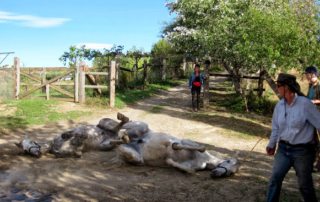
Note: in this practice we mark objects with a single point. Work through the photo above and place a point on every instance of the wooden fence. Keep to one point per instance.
(112, 77)
(263, 76)
(78, 74)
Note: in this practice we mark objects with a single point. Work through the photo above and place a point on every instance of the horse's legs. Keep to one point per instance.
(130, 154)
(123, 120)
(185, 166)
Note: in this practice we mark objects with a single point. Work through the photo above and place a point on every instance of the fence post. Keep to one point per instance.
(206, 88)
(48, 91)
(82, 88)
(16, 64)
(76, 83)
(112, 88)
(117, 72)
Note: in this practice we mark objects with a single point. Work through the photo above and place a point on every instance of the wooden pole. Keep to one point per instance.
(82, 82)
(112, 88)
(76, 83)
(17, 77)
(117, 72)
(48, 91)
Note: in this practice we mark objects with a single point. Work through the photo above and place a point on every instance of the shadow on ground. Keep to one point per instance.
(100, 176)
(177, 103)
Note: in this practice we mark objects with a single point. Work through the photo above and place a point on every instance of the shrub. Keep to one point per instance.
(261, 105)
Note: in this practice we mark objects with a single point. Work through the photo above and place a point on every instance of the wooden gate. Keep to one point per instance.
(36, 78)
(78, 83)
(111, 76)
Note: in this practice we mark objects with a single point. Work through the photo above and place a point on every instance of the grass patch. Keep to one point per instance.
(130, 96)
(156, 109)
(36, 111)
(260, 105)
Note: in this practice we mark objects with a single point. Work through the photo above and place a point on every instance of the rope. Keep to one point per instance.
(256, 144)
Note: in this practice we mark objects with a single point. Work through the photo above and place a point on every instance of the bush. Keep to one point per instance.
(261, 105)
(234, 103)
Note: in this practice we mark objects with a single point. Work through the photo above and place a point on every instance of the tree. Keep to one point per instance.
(163, 50)
(136, 54)
(75, 55)
(79, 54)
(246, 35)
(102, 58)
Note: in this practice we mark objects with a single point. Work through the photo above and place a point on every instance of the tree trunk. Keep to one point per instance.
(271, 83)
(235, 76)
(145, 75)
(236, 79)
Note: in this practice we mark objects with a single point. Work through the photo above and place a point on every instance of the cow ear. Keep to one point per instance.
(18, 144)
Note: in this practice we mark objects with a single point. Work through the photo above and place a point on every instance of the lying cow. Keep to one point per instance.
(160, 149)
(72, 143)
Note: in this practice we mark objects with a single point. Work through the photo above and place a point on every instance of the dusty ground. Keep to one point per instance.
(99, 176)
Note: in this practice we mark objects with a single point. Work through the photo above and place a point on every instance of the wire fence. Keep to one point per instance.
(6, 84)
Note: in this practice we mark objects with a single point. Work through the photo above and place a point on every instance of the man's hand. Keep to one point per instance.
(270, 151)
(316, 102)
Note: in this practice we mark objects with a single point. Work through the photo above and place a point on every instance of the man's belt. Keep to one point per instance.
(295, 145)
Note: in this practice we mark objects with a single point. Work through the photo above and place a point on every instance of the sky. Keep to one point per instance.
(40, 31)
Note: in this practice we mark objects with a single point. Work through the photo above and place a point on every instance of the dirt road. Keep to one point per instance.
(99, 176)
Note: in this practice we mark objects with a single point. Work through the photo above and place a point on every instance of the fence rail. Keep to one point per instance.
(78, 84)
(230, 76)
(112, 77)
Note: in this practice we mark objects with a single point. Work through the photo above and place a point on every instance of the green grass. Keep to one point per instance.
(156, 109)
(131, 96)
(34, 112)
(38, 111)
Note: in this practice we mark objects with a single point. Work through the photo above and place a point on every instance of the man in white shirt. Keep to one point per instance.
(293, 122)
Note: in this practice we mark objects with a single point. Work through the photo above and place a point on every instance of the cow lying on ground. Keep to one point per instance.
(72, 143)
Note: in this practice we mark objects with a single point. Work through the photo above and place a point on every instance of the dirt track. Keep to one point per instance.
(99, 176)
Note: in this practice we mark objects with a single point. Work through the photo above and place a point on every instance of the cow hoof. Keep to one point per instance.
(203, 149)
